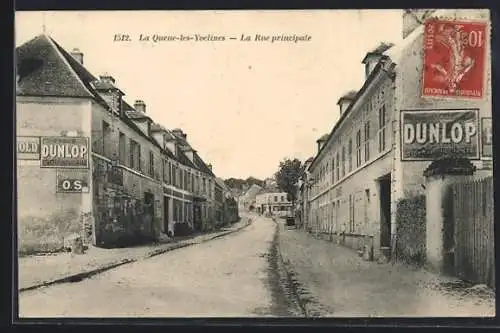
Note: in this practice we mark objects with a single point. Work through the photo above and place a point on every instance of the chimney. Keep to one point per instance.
(78, 55)
(140, 106)
(179, 132)
(413, 18)
(107, 78)
(209, 166)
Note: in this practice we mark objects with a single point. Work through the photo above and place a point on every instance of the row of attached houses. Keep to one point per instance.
(369, 163)
(88, 159)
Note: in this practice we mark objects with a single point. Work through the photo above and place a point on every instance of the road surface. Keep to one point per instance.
(230, 276)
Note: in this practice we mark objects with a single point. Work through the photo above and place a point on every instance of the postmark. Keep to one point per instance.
(454, 59)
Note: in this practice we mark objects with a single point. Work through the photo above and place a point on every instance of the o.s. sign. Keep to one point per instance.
(72, 182)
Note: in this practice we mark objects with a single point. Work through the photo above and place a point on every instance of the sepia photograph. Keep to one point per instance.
(254, 164)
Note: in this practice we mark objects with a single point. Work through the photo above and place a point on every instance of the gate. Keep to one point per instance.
(474, 255)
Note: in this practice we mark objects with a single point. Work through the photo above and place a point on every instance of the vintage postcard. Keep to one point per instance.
(286, 163)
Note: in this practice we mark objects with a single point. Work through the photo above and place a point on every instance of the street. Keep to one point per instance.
(229, 277)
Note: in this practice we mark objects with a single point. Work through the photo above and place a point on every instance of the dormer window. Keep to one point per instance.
(109, 92)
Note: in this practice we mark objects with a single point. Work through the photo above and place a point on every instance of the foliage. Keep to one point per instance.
(241, 183)
(289, 173)
(411, 230)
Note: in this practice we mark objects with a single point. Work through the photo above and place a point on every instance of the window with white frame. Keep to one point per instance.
(349, 155)
(337, 167)
(382, 122)
(351, 213)
(342, 165)
(367, 140)
(333, 170)
(358, 148)
(151, 169)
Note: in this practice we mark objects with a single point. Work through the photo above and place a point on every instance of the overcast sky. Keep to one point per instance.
(244, 105)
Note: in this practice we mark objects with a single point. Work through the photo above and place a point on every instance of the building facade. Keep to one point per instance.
(87, 160)
(364, 169)
(273, 203)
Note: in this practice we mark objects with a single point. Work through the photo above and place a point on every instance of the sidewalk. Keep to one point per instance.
(333, 281)
(37, 271)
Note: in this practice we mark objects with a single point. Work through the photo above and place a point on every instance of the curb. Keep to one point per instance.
(84, 275)
(309, 307)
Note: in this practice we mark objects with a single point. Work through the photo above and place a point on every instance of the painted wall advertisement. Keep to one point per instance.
(64, 152)
(72, 181)
(28, 148)
(486, 138)
(432, 134)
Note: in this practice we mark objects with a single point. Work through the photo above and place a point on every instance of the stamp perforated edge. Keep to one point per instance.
(487, 89)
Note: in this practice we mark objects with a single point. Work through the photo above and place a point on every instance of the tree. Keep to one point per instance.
(287, 177)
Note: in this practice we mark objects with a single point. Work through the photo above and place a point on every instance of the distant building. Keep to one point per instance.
(246, 201)
(273, 202)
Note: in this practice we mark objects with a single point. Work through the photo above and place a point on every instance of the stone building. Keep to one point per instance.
(366, 167)
(86, 159)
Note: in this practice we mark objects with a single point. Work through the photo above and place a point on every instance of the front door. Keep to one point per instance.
(385, 212)
(149, 211)
(166, 216)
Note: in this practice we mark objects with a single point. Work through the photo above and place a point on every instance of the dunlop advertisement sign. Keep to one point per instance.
(431, 134)
(64, 152)
(28, 148)
(486, 137)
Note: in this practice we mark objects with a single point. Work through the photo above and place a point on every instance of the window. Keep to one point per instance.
(342, 165)
(133, 161)
(204, 186)
(275, 198)
(106, 132)
(151, 168)
(181, 178)
(121, 148)
(349, 155)
(381, 129)
(165, 171)
(174, 175)
(186, 178)
(192, 182)
(337, 166)
(358, 148)
(367, 141)
(351, 213)
(282, 198)
(332, 171)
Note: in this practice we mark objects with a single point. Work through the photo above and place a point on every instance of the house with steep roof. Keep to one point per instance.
(86, 156)
(246, 201)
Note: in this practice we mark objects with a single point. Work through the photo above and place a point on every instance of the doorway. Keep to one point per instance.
(385, 214)
(166, 214)
(149, 211)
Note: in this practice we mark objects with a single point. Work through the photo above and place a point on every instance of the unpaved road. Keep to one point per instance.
(231, 276)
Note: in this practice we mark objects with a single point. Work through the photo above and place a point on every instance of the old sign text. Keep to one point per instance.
(28, 148)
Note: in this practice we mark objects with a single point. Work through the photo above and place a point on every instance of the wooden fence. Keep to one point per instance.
(474, 251)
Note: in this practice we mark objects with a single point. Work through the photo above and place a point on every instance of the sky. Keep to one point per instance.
(244, 105)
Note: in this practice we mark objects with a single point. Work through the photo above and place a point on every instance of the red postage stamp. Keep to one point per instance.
(454, 59)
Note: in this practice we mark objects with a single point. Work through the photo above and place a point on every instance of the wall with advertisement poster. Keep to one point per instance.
(427, 135)
(410, 95)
